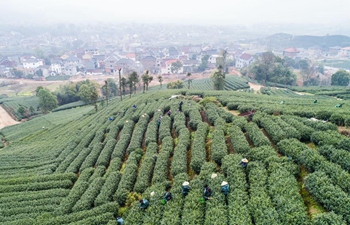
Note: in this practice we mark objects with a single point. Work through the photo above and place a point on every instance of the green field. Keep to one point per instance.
(79, 166)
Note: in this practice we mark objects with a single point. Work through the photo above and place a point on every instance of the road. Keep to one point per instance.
(6, 119)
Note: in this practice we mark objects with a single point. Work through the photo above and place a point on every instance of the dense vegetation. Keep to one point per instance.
(86, 167)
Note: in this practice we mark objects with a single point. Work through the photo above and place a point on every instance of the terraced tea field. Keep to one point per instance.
(78, 166)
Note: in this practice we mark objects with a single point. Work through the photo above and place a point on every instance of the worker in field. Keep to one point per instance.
(159, 120)
(143, 204)
(169, 113)
(168, 196)
(185, 188)
(134, 106)
(180, 106)
(225, 188)
(120, 221)
(207, 193)
(244, 162)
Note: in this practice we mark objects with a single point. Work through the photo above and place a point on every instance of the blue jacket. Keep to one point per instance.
(144, 204)
(120, 221)
(185, 189)
(225, 189)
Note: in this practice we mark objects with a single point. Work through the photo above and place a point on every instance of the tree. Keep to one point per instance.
(124, 83)
(144, 78)
(204, 63)
(175, 66)
(308, 69)
(88, 92)
(269, 67)
(133, 79)
(160, 80)
(218, 78)
(39, 53)
(38, 89)
(320, 68)
(23, 111)
(221, 61)
(105, 90)
(39, 73)
(17, 73)
(340, 78)
(47, 101)
(150, 78)
(112, 88)
(178, 84)
(67, 93)
(189, 81)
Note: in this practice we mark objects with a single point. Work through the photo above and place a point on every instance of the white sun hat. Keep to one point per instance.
(152, 193)
(213, 175)
(224, 183)
(245, 160)
(185, 183)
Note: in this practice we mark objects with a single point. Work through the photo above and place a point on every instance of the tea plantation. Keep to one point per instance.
(79, 166)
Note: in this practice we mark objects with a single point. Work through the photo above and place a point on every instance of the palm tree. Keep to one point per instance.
(107, 90)
(150, 78)
(133, 79)
(124, 83)
(144, 78)
(120, 85)
(189, 81)
(160, 79)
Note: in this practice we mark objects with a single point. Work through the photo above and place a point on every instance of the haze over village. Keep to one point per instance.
(48, 39)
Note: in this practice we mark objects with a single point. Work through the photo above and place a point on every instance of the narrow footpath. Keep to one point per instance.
(6, 119)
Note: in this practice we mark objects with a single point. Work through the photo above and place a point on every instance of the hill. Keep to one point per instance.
(282, 40)
(79, 166)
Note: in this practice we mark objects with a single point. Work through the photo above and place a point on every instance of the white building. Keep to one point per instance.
(56, 66)
(212, 59)
(244, 60)
(32, 63)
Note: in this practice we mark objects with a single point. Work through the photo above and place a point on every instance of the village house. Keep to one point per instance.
(166, 66)
(127, 65)
(99, 61)
(56, 67)
(72, 61)
(92, 51)
(131, 56)
(244, 60)
(345, 52)
(111, 64)
(32, 63)
(291, 52)
(150, 63)
(190, 66)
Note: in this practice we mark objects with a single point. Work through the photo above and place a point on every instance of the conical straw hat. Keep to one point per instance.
(185, 183)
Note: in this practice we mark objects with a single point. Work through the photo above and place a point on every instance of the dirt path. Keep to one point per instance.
(5, 119)
(256, 87)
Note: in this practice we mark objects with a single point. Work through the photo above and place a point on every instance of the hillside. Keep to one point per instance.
(79, 166)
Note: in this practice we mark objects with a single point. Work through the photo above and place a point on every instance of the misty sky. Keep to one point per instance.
(224, 12)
